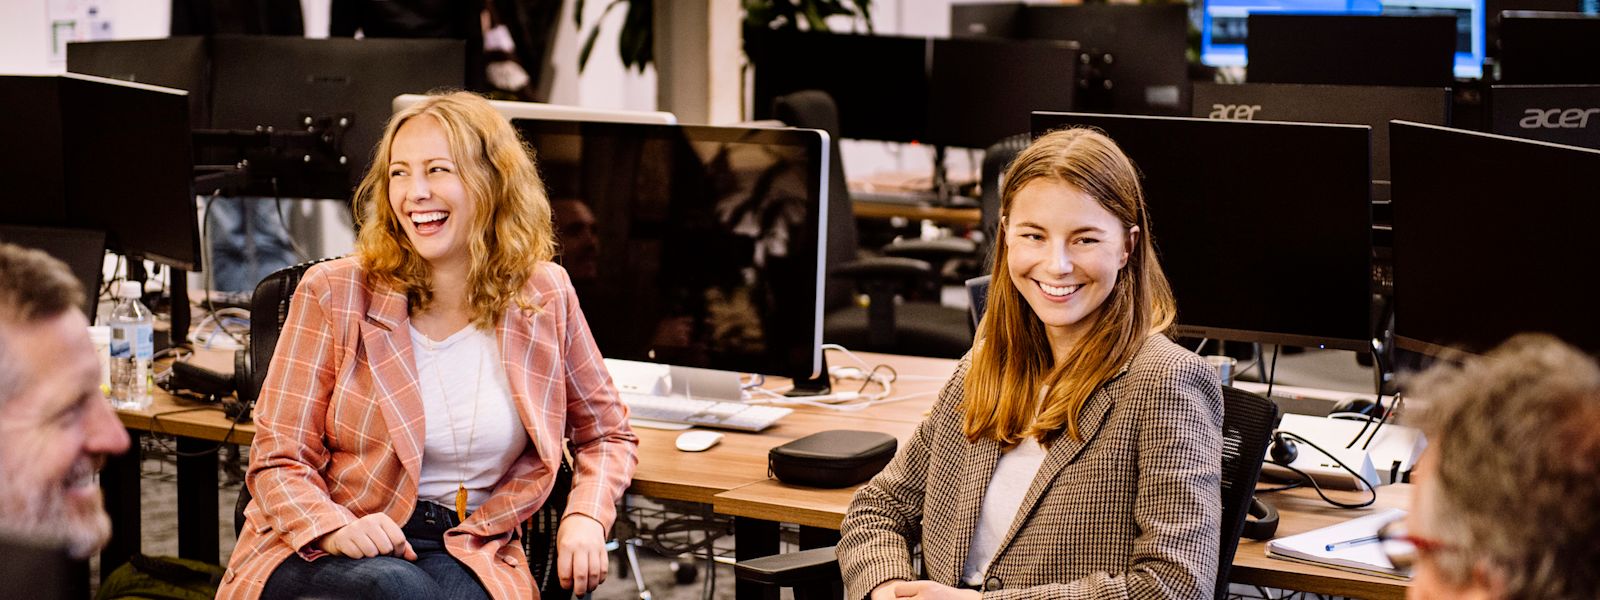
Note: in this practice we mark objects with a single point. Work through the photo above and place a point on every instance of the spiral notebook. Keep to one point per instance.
(1352, 548)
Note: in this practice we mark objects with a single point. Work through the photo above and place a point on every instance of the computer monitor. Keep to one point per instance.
(83, 250)
(1493, 236)
(1263, 228)
(343, 86)
(1373, 106)
(557, 112)
(1148, 71)
(1549, 48)
(86, 152)
(1561, 114)
(1224, 28)
(984, 90)
(1492, 9)
(880, 83)
(1352, 49)
(704, 246)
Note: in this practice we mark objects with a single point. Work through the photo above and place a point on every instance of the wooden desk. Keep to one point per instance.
(1300, 511)
(965, 217)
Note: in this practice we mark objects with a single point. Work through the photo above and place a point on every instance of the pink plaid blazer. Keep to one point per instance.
(339, 427)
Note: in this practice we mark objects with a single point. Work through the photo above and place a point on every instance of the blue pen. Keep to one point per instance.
(1354, 542)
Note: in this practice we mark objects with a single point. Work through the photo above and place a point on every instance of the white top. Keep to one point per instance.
(1013, 475)
(454, 374)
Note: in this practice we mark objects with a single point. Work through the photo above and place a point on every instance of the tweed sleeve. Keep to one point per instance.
(884, 520)
(289, 452)
(1178, 506)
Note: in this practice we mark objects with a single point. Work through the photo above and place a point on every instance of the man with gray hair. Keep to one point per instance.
(1507, 504)
(56, 428)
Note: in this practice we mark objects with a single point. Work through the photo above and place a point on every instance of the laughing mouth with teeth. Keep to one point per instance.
(1059, 291)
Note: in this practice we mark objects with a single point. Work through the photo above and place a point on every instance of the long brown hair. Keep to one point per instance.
(1012, 360)
(498, 173)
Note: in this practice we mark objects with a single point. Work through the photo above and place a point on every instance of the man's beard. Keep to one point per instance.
(47, 516)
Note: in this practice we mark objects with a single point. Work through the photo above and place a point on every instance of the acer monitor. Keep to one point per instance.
(1493, 236)
(708, 240)
(1352, 49)
(880, 83)
(1549, 48)
(91, 153)
(1147, 68)
(984, 90)
(1561, 114)
(1263, 228)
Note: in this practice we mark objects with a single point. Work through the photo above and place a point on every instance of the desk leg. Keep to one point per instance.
(119, 483)
(754, 538)
(817, 537)
(197, 500)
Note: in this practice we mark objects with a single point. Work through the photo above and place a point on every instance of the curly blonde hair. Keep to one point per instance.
(499, 175)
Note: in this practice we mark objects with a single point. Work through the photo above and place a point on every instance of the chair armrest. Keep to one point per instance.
(934, 251)
(881, 268)
(794, 568)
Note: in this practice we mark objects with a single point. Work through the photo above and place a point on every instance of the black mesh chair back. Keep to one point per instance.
(1247, 422)
(815, 109)
(995, 160)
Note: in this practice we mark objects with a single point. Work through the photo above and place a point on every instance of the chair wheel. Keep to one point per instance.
(684, 570)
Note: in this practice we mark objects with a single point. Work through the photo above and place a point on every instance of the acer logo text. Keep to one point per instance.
(1556, 118)
(1234, 112)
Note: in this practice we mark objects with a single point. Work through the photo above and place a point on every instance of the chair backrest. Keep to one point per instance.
(1247, 422)
(815, 109)
(995, 160)
(977, 299)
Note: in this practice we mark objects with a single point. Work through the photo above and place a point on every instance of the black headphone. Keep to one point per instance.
(1261, 520)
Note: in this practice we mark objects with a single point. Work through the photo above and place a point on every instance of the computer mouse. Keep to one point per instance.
(698, 440)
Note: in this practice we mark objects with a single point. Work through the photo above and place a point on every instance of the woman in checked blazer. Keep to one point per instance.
(1076, 452)
(415, 409)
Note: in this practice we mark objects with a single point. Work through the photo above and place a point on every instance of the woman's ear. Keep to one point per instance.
(1132, 242)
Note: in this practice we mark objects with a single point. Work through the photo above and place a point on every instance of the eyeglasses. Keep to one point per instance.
(1403, 549)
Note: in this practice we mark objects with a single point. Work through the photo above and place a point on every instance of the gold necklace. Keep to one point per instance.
(472, 431)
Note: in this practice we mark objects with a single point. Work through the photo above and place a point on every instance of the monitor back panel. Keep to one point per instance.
(1549, 48)
(1263, 229)
(1561, 114)
(986, 89)
(83, 250)
(1352, 49)
(880, 83)
(1372, 106)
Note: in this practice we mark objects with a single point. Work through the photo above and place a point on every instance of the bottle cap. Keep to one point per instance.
(130, 289)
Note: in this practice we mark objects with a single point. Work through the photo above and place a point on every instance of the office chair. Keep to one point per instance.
(269, 308)
(1247, 422)
(996, 158)
(912, 327)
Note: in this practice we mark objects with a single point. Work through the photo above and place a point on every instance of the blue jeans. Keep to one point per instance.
(248, 242)
(435, 574)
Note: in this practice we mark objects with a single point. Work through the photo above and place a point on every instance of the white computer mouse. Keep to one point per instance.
(698, 440)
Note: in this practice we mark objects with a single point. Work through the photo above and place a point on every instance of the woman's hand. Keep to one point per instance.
(366, 537)
(885, 590)
(929, 590)
(581, 554)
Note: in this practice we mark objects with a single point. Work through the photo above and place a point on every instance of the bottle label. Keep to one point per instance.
(133, 340)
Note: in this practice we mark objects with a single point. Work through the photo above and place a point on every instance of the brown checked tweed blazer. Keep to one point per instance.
(340, 427)
(1132, 512)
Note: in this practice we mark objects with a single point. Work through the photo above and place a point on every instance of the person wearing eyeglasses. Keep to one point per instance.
(1507, 503)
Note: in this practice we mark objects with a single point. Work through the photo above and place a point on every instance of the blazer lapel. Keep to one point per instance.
(388, 345)
(1061, 454)
(981, 459)
(524, 364)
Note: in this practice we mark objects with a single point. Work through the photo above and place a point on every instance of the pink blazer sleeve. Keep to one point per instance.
(597, 421)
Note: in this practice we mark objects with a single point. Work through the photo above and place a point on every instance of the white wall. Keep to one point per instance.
(25, 29)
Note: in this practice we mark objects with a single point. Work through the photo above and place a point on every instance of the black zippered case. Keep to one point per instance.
(832, 459)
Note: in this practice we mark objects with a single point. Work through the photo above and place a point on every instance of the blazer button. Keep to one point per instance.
(510, 560)
(992, 583)
(227, 577)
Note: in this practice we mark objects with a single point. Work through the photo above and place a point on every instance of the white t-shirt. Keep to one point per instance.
(449, 372)
(1013, 475)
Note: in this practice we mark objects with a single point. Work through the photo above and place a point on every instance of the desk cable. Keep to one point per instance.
(157, 428)
(1306, 478)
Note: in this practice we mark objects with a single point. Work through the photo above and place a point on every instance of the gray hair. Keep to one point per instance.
(33, 287)
(1517, 436)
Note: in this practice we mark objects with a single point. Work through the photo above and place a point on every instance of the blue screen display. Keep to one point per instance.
(1223, 30)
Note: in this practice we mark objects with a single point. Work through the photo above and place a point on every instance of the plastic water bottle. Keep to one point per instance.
(132, 347)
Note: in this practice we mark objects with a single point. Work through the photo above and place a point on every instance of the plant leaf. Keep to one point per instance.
(594, 34)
